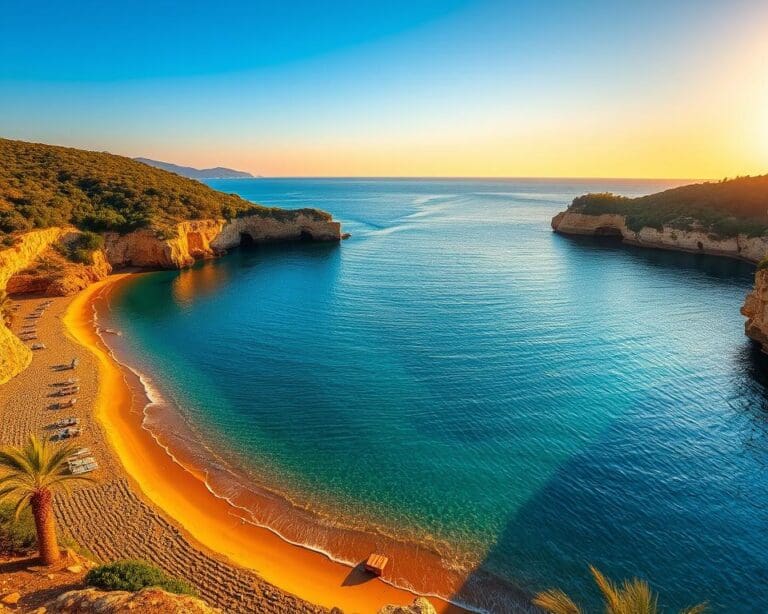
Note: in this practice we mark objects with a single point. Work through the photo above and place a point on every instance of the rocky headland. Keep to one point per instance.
(695, 240)
(34, 262)
(727, 218)
(69, 217)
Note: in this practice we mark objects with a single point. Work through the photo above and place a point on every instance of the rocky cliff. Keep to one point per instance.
(755, 309)
(753, 249)
(14, 355)
(32, 265)
(194, 240)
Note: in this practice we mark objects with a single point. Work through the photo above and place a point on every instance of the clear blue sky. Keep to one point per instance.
(406, 88)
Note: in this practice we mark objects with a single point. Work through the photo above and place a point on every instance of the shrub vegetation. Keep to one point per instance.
(17, 535)
(46, 185)
(133, 576)
(722, 209)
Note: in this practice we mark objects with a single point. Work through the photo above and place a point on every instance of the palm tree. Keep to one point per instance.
(632, 597)
(33, 474)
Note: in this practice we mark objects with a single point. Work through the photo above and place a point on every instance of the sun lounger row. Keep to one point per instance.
(64, 405)
(83, 465)
(68, 391)
(71, 421)
(66, 433)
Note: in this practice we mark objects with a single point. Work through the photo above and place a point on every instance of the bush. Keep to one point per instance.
(133, 576)
(16, 536)
(82, 248)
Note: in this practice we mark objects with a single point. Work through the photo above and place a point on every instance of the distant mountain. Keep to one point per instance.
(195, 173)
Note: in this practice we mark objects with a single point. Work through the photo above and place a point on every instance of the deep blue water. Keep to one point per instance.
(457, 370)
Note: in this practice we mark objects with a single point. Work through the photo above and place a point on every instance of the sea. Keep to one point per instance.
(495, 406)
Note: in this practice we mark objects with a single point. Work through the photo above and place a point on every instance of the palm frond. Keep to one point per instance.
(556, 602)
(8, 490)
(637, 597)
(21, 505)
(609, 590)
(56, 461)
(15, 479)
(66, 480)
(13, 459)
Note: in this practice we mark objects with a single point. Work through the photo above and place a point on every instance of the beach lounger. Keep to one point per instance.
(70, 381)
(38, 346)
(71, 421)
(80, 453)
(66, 433)
(85, 468)
(74, 363)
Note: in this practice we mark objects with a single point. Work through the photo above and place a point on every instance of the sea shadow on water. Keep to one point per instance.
(675, 262)
(612, 506)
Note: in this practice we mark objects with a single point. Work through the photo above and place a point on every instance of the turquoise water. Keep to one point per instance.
(527, 402)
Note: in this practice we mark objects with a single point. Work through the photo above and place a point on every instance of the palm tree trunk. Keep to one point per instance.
(47, 542)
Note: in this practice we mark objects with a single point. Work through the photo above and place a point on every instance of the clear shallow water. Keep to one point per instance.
(526, 402)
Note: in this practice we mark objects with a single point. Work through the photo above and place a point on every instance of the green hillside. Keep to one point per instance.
(45, 185)
(724, 208)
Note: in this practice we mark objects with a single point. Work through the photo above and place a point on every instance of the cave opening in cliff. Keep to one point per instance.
(608, 231)
(305, 235)
(246, 240)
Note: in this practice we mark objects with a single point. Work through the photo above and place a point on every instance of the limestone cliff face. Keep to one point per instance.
(61, 277)
(187, 242)
(25, 251)
(752, 249)
(755, 309)
(14, 355)
(194, 240)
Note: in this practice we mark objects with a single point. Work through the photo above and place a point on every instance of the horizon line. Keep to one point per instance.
(478, 177)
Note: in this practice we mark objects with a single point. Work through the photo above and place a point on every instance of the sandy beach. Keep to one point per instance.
(145, 505)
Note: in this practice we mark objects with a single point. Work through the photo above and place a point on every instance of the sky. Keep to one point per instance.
(547, 88)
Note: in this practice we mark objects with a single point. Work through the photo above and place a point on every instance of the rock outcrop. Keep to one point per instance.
(14, 355)
(190, 241)
(54, 275)
(146, 601)
(755, 309)
(419, 606)
(752, 249)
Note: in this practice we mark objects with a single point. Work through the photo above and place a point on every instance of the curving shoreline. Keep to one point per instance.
(184, 495)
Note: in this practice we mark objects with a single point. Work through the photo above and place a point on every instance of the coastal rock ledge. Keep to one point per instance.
(176, 247)
(193, 240)
(755, 309)
(752, 249)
